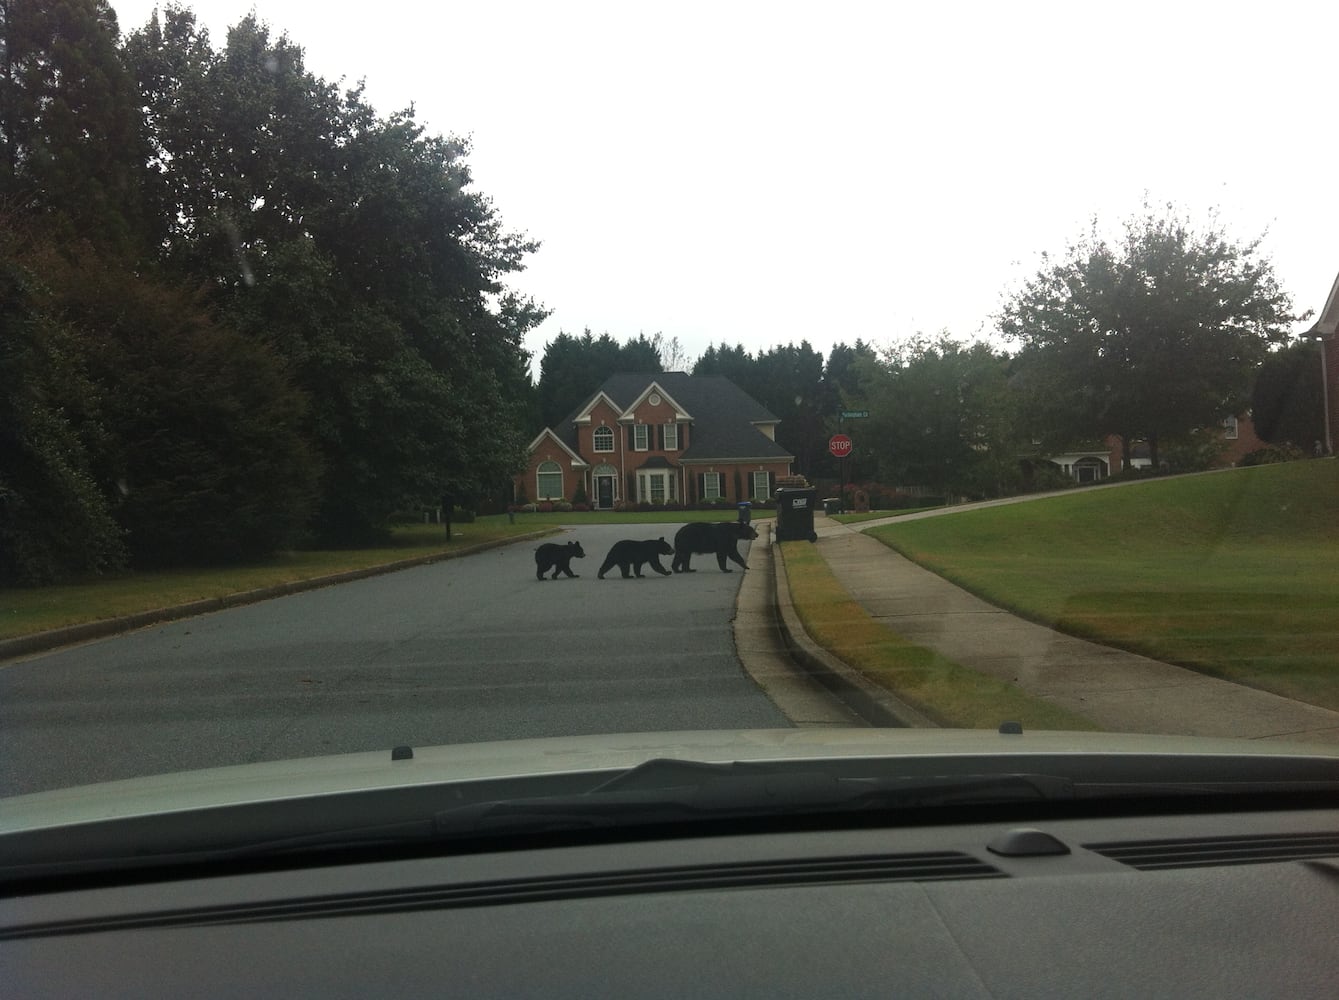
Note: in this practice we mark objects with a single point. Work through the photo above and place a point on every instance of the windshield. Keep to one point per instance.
(419, 377)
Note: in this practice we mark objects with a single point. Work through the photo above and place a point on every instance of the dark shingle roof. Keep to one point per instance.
(723, 414)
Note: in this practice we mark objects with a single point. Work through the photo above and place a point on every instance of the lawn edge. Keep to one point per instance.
(876, 704)
(68, 635)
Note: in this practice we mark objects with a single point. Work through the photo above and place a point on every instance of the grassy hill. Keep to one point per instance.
(1234, 573)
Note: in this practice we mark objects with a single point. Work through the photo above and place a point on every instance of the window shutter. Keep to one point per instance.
(658, 441)
(632, 439)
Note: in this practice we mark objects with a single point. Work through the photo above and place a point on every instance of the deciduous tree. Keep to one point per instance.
(1149, 337)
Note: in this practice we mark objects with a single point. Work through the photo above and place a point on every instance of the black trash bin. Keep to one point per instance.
(795, 515)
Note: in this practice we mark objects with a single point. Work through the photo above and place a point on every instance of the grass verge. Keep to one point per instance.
(25, 611)
(947, 692)
(1235, 574)
(578, 518)
(875, 515)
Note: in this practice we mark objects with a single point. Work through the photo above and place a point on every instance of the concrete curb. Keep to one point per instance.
(39, 642)
(873, 703)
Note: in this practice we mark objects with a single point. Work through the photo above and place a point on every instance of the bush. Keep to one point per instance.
(1271, 454)
(1044, 477)
(544, 506)
(1194, 453)
(579, 497)
(562, 506)
(581, 508)
(200, 427)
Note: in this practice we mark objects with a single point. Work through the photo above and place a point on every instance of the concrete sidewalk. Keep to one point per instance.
(1119, 691)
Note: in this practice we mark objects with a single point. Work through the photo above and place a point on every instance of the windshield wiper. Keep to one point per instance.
(668, 791)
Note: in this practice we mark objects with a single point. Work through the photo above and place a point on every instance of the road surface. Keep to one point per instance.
(459, 651)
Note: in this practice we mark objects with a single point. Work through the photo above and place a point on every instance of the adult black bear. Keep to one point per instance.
(629, 553)
(558, 558)
(700, 537)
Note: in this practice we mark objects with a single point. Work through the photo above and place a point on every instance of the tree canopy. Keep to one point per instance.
(1287, 402)
(1148, 338)
(942, 415)
(317, 287)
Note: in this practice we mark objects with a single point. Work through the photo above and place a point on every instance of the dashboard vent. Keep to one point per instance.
(1205, 852)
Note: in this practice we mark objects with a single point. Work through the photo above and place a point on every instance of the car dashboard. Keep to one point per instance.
(1130, 903)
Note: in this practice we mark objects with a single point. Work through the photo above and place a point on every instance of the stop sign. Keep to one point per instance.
(839, 445)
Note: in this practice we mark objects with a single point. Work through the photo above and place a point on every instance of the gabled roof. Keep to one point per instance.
(583, 417)
(1328, 322)
(628, 415)
(725, 418)
(548, 432)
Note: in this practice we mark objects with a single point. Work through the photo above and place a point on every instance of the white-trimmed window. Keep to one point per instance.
(671, 437)
(657, 485)
(711, 486)
(604, 439)
(1230, 428)
(761, 483)
(549, 481)
(641, 437)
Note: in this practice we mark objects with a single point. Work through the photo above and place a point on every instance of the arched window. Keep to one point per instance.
(604, 439)
(549, 481)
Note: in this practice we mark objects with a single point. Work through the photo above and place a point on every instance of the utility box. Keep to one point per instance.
(795, 515)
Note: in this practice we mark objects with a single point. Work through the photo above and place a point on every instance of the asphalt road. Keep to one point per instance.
(459, 651)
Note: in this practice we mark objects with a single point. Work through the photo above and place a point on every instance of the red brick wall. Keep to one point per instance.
(525, 484)
(1245, 443)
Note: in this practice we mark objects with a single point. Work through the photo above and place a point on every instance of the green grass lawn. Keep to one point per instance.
(578, 518)
(1235, 573)
(27, 610)
(875, 515)
(951, 694)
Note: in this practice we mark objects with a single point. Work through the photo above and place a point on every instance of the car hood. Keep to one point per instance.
(340, 774)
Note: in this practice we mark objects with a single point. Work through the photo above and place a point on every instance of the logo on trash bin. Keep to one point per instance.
(799, 502)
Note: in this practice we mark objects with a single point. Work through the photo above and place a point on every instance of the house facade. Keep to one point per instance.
(1089, 465)
(666, 439)
(1326, 333)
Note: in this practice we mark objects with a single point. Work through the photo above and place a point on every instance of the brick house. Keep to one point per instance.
(1088, 465)
(660, 439)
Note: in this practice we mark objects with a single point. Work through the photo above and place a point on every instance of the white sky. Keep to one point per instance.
(768, 172)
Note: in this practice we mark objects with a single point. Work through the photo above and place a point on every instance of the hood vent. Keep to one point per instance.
(1205, 852)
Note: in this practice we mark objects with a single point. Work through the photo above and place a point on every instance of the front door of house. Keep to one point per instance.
(604, 492)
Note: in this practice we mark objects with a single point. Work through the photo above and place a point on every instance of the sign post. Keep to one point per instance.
(840, 445)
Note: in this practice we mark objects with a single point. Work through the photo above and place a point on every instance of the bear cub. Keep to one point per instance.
(559, 558)
(635, 554)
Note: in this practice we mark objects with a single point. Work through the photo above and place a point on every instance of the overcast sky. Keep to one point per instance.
(766, 173)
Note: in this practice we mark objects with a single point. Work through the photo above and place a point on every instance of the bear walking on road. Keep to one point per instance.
(558, 558)
(702, 537)
(635, 554)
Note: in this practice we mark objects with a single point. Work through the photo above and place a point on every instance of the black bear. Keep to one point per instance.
(629, 553)
(558, 558)
(722, 538)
